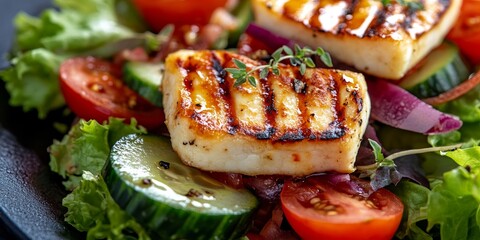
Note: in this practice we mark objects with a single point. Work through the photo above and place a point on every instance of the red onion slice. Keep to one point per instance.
(338, 178)
(274, 40)
(394, 106)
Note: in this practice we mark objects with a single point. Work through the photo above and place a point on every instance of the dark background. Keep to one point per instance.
(30, 194)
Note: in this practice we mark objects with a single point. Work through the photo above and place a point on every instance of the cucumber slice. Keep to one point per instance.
(171, 200)
(442, 70)
(145, 78)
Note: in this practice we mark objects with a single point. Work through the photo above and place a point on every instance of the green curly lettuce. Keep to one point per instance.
(91, 209)
(33, 82)
(75, 28)
(454, 205)
(467, 107)
(414, 198)
(86, 148)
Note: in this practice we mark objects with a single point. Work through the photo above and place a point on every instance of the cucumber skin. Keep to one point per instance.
(164, 221)
(149, 91)
(454, 71)
(442, 81)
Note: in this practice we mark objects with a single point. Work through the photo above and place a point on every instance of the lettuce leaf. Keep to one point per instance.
(414, 198)
(466, 157)
(33, 82)
(452, 210)
(454, 203)
(86, 148)
(467, 107)
(92, 209)
(74, 28)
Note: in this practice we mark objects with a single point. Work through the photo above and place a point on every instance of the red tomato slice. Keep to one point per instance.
(317, 208)
(466, 31)
(93, 90)
(158, 13)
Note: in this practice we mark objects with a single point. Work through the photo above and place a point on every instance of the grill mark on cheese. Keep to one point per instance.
(336, 128)
(344, 17)
(290, 124)
(225, 95)
(269, 108)
(320, 86)
(303, 104)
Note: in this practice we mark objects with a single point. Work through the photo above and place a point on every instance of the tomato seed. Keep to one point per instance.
(370, 204)
(132, 102)
(314, 201)
(332, 213)
(329, 208)
(320, 206)
(97, 88)
(472, 21)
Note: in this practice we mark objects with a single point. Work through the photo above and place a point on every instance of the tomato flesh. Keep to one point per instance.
(466, 31)
(92, 88)
(316, 208)
(158, 13)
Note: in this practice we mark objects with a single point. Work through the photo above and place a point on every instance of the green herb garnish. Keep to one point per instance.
(382, 161)
(298, 57)
(412, 5)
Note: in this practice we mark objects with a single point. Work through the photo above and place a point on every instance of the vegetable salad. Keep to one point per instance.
(418, 180)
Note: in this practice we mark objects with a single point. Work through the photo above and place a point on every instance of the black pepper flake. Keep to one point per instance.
(299, 86)
(147, 181)
(208, 192)
(164, 165)
(193, 193)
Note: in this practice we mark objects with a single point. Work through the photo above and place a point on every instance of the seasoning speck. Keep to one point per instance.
(193, 193)
(147, 181)
(164, 165)
(299, 86)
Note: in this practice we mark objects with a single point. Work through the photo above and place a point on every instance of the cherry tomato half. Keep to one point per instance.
(466, 31)
(93, 89)
(158, 13)
(317, 208)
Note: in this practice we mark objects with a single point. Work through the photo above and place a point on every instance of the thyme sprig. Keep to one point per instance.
(382, 161)
(297, 57)
(412, 5)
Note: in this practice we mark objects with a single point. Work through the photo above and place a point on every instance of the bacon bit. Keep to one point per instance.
(455, 92)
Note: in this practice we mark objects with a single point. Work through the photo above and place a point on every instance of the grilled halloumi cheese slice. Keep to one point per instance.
(381, 41)
(288, 124)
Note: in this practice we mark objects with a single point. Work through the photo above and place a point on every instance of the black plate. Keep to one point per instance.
(30, 194)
